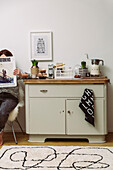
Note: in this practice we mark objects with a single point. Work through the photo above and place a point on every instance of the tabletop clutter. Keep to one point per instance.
(87, 68)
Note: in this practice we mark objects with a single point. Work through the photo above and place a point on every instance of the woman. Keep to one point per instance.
(8, 98)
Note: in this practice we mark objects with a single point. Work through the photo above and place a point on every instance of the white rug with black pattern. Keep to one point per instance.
(56, 158)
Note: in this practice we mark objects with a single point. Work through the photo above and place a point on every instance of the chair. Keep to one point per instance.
(14, 113)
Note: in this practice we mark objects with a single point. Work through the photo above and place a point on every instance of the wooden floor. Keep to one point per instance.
(23, 140)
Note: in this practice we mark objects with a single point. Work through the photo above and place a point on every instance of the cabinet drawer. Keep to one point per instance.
(64, 90)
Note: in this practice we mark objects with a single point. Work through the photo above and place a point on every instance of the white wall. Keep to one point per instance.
(78, 26)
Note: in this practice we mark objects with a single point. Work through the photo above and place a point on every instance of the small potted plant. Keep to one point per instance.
(34, 68)
(83, 69)
(83, 64)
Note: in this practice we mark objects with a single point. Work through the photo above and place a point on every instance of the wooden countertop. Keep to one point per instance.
(90, 80)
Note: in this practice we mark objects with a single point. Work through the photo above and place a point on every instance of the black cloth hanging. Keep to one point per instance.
(87, 105)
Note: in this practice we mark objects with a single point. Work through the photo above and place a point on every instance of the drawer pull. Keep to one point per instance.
(43, 91)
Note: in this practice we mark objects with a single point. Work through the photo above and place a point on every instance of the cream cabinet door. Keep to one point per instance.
(75, 119)
(47, 116)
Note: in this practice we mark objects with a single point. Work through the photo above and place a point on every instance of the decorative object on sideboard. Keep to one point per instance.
(62, 72)
(76, 71)
(83, 70)
(95, 67)
(50, 71)
(34, 68)
(83, 64)
(42, 74)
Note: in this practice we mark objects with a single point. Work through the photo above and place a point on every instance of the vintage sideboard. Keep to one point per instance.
(52, 109)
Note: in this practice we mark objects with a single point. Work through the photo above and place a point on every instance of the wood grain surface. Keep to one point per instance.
(89, 80)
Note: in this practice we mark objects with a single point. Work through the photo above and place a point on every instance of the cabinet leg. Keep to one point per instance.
(96, 139)
(36, 138)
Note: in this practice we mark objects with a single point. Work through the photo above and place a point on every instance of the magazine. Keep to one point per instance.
(7, 66)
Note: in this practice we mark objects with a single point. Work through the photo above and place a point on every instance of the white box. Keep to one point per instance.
(66, 73)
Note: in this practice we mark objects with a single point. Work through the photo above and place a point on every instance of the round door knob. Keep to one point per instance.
(69, 112)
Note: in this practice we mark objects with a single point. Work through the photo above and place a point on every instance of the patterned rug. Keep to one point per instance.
(56, 158)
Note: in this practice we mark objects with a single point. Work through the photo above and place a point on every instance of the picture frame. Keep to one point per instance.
(7, 66)
(41, 46)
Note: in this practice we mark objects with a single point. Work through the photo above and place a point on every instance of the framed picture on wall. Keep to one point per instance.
(41, 46)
